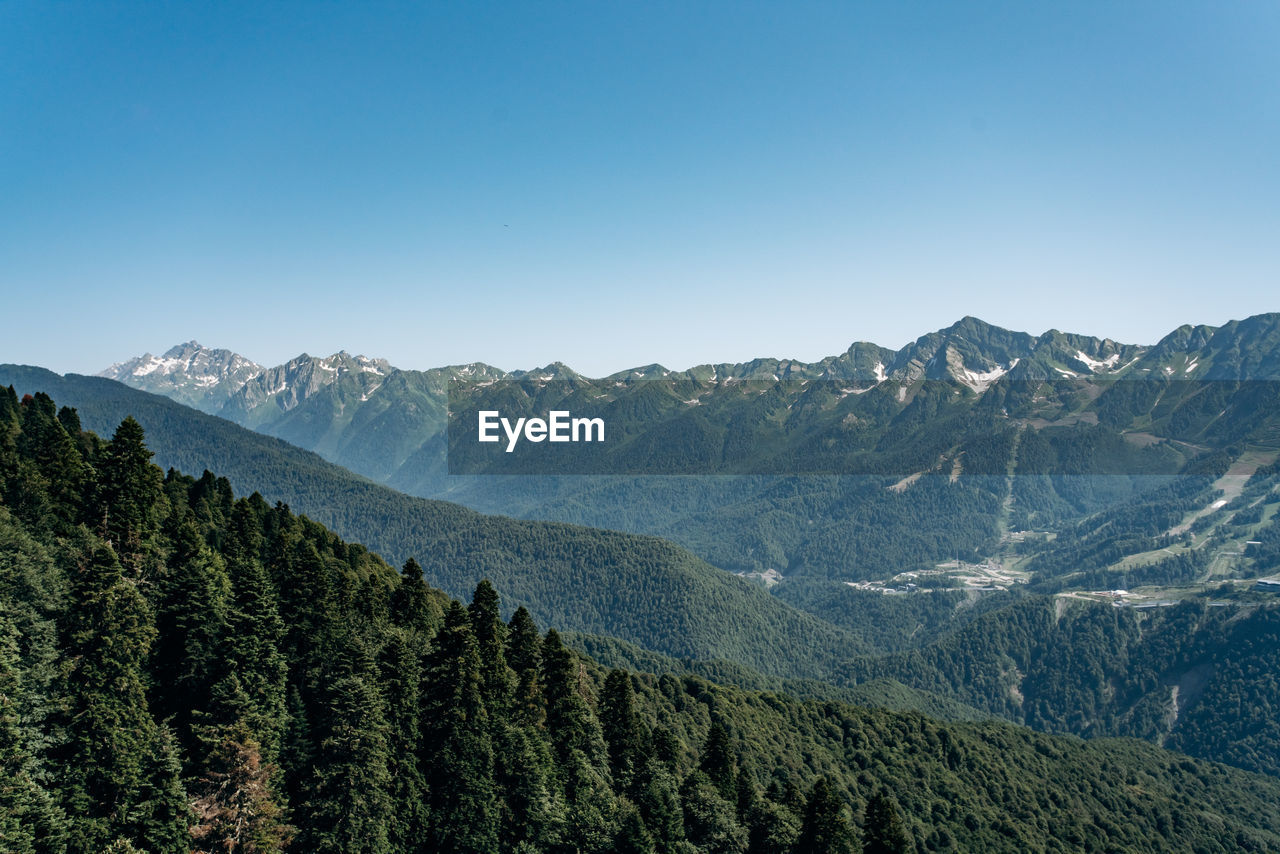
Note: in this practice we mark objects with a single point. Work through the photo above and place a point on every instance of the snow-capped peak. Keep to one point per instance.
(190, 373)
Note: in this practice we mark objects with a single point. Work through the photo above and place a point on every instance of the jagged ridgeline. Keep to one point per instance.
(971, 398)
(182, 670)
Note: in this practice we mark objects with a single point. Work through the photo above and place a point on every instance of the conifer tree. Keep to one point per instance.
(307, 604)
(32, 588)
(131, 490)
(571, 724)
(87, 443)
(531, 810)
(400, 668)
(236, 807)
(718, 762)
(665, 746)
(411, 605)
(825, 829)
(108, 631)
(524, 652)
(210, 498)
(745, 792)
(69, 418)
(633, 837)
(50, 490)
(883, 831)
(188, 657)
(298, 753)
(9, 418)
(349, 805)
(30, 822)
(456, 752)
(710, 821)
(237, 789)
(531, 806)
(490, 634)
(624, 732)
(10, 424)
(658, 799)
(163, 818)
(255, 633)
(578, 747)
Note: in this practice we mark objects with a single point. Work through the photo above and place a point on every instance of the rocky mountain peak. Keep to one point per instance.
(190, 373)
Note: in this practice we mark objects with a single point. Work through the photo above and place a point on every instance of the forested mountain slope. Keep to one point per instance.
(1200, 678)
(182, 670)
(636, 588)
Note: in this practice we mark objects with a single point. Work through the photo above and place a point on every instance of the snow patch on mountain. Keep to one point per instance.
(1097, 365)
(164, 366)
(980, 381)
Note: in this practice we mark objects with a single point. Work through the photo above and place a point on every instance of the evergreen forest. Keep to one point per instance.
(185, 670)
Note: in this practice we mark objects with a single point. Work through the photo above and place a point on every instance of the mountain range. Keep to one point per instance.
(959, 399)
(866, 593)
(970, 352)
(1061, 661)
(330, 404)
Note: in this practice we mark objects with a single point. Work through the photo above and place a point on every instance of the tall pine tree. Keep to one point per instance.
(255, 632)
(236, 804)
(110, 788)
(411, 602)
(624, 732)
(490, 634)
(531, 803)
(191, 623)
(825, 829)
(718, 761)
(131, 492)
(524, 652)
(456, 751)
(51, 480)
(883, 831)
(30, 821)
(349, 805)
(400, 666)
(582, 762)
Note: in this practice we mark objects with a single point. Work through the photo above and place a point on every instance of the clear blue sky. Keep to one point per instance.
(611, 184)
